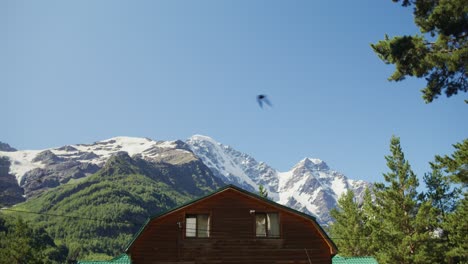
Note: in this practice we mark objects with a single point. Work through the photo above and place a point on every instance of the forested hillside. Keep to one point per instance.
(97, 216)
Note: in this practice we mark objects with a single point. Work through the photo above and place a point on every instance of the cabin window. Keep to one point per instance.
(267, 225)
(197, 225)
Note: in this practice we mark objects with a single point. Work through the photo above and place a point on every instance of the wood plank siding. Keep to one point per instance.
(232, 235)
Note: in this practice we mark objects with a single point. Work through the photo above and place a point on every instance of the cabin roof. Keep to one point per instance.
(353, 260)
(332, 245)
(122, 259)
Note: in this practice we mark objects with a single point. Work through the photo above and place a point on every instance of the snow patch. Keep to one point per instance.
(21, 162)
(227, 166)
(338, 186)
(203, 138)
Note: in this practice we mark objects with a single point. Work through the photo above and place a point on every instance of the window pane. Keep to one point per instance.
(203, 225)
(260, 225)
(191, 226)
(273, 225)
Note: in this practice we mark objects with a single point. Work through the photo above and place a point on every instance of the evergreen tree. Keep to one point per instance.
(262, 191)
(438, 201)
(349, 230)
(396, 209)
(440, 193)
(21, 244)
(439, 54)
(397, 224)
(456, 164)
(371, 222)
(456, 226)
(429, 245)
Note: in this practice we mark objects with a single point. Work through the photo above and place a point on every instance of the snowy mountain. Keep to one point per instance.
(39, 170)
(310, 186)
(232, 166)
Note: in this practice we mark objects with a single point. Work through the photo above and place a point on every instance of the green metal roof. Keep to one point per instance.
(231, 186)
(353, 260)
(122, 259)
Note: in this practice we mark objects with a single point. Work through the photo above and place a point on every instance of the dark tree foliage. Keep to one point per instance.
(456, 227)
(439, 54)
(349, 230)
(454, 223)
(396, 209)
(20, 243)
(262, 191)
(440, 193)
(441, 197)
(456, 164)
(396, 224)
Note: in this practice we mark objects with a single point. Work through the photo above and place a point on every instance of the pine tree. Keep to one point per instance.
(438, 201)
(262, 191)
(456, 164)
(429, 246)
(455, 225)
(439, 54)
(349, 230)
(457, 228)
(440, 193)
(371, 222)
(396, 209)
(397, 224)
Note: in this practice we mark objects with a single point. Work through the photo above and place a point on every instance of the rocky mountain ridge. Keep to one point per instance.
(6, 147)
(310, 186)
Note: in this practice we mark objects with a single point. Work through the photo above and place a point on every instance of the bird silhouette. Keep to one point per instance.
(262, 98)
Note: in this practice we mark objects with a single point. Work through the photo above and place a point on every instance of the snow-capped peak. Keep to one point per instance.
(95, 153)
(312, 164)
(224, 161)
(198, 137)
(310, 186)
(131, 145)
(313, 160)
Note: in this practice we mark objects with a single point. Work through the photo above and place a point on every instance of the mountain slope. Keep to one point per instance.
(40, 170)
(10, 191)
(310, 186)
(232, 166)
(104, 211)
(6, 147)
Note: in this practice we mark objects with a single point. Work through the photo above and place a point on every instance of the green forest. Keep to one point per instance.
(96, 217)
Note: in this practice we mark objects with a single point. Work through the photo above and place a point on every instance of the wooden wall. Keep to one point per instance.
(232, 235)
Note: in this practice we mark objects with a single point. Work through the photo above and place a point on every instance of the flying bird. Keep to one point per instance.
(261, 98)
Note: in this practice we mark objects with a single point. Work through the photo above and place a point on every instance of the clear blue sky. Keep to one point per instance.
(82, 71)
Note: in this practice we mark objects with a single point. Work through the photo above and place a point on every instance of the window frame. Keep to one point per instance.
(195, 215)
(267, 232)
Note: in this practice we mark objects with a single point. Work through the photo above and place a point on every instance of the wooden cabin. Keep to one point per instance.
(231, 225)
